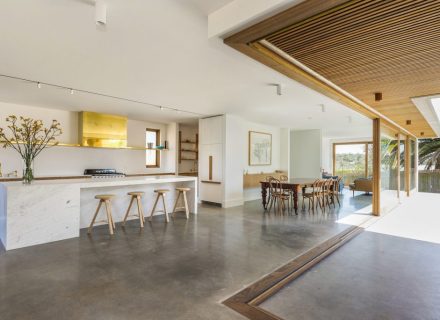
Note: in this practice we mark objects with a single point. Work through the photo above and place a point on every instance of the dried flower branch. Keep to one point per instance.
(29, 137)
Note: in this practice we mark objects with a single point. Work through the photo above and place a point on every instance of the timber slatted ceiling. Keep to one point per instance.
(368, 46)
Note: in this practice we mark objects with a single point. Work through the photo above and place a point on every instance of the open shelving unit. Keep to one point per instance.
(188, 147)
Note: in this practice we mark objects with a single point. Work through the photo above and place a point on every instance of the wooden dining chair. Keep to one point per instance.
(311, 194)
(334, 192)
(321, 194)
(284, 179)
(268, 178)
(278, 196)
(327, 193)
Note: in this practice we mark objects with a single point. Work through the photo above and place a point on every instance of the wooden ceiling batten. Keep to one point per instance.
(392, 45)
(332, 33)
(362, 47)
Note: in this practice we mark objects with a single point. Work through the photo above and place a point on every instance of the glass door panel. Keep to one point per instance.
(350, 161)
(389, 169)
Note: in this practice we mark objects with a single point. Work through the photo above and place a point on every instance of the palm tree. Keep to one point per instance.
(429, 153)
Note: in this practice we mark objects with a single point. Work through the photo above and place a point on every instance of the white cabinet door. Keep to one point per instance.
(216, 130)
(211, 130)
(204, 151)
(216, 152)
(211, 162)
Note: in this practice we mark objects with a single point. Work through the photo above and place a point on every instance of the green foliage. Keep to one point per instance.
(429, 153)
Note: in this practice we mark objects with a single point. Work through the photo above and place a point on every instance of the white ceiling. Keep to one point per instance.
(151, 51)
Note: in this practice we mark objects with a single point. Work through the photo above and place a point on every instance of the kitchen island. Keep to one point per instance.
(52, 210)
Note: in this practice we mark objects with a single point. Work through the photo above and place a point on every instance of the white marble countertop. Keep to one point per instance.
(103, 182)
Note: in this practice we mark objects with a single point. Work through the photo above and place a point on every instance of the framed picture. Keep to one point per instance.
(260, 148)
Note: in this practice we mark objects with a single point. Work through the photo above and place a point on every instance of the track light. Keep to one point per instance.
(322, 108)
(71, 91)
(39, 85)
(161, 108)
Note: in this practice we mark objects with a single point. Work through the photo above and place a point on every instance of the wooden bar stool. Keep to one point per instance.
(182, 191)
(106, 199)
(135, 195)
(160, 194)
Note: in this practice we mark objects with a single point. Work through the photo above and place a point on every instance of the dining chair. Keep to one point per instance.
(334, 192)
(278, 196)
(327, 193)
(284, 178)
(311, 194)
(321, 194)
(268, 178)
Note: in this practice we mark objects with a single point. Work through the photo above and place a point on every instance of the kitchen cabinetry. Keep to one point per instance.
(211, 159)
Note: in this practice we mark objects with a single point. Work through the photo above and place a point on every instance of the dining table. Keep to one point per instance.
(293, 184)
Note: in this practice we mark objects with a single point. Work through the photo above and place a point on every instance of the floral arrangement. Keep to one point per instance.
(29, 137)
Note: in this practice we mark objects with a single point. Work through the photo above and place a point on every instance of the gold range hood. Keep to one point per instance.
(102, 130)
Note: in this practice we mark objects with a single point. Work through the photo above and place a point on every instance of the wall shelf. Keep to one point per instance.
(76, 145)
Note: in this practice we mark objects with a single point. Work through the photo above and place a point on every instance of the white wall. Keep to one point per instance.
(73, 161)
(305, 153)
(237, 153)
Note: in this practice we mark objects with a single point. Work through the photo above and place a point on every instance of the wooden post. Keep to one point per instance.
(416, 154)
(376, 167)
(398, 165)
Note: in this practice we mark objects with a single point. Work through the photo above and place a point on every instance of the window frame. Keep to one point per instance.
(157, 164)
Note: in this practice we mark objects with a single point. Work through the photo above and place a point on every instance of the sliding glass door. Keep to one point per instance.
(352, 160)
(389, 169)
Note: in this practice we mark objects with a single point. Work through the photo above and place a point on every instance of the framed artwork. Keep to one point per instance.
(260, 148)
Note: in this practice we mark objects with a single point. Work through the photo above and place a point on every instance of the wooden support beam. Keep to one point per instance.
(407, 165)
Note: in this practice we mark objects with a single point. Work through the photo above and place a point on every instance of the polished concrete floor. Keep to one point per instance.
(374, 276)
(182, 270)
(391, 271)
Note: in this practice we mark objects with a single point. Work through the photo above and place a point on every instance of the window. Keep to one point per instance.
(353, 160)
(152, 157)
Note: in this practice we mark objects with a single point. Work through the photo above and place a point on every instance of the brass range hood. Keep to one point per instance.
(102, 130)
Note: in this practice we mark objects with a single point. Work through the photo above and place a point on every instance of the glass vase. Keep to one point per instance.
(28, 171)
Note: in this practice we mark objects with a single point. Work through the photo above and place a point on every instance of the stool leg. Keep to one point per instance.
(186, 205)
(111, 215)
(175, 204)
(141, 215)
(128, 210)
(167, 219)
(109, 219)
(154, 207)
(94, 217)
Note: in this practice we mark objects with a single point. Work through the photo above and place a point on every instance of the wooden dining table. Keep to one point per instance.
(294, 184)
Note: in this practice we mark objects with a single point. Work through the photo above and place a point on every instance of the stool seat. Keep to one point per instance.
(136, 193)
(104, 196)
(161, 190)
(183, 189)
